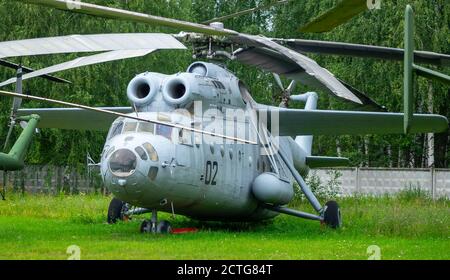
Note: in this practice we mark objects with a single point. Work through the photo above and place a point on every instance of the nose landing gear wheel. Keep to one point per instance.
(152, 225)
(146, 227)
(163, 227)
(332, 215)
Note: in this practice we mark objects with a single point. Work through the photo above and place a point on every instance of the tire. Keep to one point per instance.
(146, 226)
(115, 210)
(164, 227)
(332, 216)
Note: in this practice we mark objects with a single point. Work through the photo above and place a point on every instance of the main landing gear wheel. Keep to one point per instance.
(116, 211)
(332, 215)
(164, 227)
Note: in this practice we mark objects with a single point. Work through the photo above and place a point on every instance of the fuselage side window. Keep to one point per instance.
(164, 130)
(185, 136)
(140, 151)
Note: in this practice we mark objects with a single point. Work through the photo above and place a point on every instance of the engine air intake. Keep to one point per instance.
(142, 89)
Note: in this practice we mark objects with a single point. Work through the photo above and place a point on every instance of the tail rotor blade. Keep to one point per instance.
(278, 80)
(291, 87)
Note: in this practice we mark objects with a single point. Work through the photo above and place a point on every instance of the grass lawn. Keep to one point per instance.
(403, 227)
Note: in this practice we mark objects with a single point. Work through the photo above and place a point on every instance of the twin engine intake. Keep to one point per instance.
(143, 89)
(200, 82)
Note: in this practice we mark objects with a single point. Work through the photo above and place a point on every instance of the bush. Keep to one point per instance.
(412, 193)
(331, 189)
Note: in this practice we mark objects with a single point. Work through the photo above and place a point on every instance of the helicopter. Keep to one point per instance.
(196, 143)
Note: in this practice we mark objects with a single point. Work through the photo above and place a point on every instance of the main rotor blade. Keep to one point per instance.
(357, 50)
(82, 61)
(344, 11)
(274, 58)
(245, 12)
(88, 43)
(74, 105)
(114, 13)
(25, 69)
(369, 103)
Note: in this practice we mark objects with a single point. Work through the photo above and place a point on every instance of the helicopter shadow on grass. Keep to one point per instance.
(222, 226)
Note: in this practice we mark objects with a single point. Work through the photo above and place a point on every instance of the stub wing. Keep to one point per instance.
(75, 119)
(303, 122)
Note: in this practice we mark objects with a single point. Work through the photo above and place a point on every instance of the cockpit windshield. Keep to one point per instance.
(122, 127)
(129, 127)
(146, 127)
(116, 129)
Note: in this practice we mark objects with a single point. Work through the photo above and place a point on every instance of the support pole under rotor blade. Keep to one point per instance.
(431, 74)
(408, 82)
(304, 187)
(17, 102)
(410, 69)
(15, 106)
(25, 69)
(3, 193)
(14, 160)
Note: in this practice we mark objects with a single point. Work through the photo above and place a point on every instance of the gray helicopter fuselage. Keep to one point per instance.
(173, 170)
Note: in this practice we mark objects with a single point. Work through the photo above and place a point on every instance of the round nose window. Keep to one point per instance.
(123, 163)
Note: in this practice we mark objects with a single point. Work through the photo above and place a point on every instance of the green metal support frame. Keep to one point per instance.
(410, 69)
(14, 160)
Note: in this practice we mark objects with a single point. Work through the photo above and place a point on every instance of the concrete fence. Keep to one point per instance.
(374, 181)
(379, 181)
(52, 180)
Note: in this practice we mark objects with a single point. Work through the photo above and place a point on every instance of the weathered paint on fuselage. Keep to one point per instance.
(209, 181)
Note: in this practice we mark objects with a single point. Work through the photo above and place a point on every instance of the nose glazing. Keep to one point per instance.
(122, 163)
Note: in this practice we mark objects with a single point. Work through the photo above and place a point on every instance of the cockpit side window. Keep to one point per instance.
(130, 127)
(164, 130)
(115, 130)
(146, 127)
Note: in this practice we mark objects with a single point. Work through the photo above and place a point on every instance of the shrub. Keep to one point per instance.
(323, 190)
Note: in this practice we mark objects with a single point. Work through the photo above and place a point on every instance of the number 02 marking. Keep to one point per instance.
(211, 172)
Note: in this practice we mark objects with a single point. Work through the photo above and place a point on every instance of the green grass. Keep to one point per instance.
(408, 226)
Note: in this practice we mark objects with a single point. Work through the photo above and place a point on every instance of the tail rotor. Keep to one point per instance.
(285, 92)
